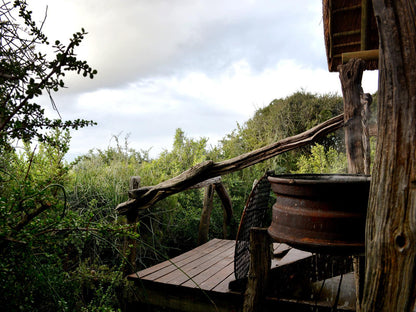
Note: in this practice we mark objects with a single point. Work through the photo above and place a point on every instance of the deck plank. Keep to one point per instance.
(171, 265)
(219, 277)
(154, 268)
(204, 276)
(193, 268)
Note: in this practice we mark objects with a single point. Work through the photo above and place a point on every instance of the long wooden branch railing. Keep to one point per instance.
(145, 197)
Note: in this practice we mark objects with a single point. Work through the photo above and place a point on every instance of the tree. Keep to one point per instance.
(283, 118)
(26, 74)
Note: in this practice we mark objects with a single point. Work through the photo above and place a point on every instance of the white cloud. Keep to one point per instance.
(198, 65)
(151, 109)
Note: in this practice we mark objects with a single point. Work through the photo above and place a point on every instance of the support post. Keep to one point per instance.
(130, 245)
(351, 75)
(391, 217)
(226, 205)
(366, 100)
(206, 214)
(260, 262)
(356, 115)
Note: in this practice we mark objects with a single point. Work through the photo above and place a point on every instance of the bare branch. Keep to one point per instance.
(145, 197)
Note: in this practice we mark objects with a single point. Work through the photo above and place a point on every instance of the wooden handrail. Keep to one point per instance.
(145, 197)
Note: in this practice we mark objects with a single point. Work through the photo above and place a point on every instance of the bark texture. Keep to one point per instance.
(351, 75)
(260, 262)
(356, 115)
(391, 220)
(206, 214)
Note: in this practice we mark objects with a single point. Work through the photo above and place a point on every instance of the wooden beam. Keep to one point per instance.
(145, 197)
(365, 24)
(368, 55)
(205, 183)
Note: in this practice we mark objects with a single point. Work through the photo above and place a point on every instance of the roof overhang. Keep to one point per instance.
(350, 30)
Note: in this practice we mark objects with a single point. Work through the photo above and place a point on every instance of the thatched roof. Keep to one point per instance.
(350, 31)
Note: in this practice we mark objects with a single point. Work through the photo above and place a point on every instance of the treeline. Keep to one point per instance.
(62, 243)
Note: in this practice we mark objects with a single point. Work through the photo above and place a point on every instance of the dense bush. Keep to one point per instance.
(55, 256)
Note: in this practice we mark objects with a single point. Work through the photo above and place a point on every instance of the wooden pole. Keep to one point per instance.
(366, 100)
(226, 206)
(365, 23)
(351, 75)
(260, 262)
(390, 277)
(356, 115)
(130, 245)
(206, 214)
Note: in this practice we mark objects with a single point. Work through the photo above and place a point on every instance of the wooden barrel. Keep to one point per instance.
(321, 213)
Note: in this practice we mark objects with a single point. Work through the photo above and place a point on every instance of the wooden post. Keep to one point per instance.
(130, 252)
(206, 214)
(226, 205)
(356, 115)
(260, 262)
(391, 218)
(351, 75)
(366, 100)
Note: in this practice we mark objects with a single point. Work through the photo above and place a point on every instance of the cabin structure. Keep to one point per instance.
(359, 35)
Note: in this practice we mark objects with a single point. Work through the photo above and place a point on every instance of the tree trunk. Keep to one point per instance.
(391, 219)
(356, 114)
(351, 75)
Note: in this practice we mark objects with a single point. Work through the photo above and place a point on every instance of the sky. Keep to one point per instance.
(200, 65)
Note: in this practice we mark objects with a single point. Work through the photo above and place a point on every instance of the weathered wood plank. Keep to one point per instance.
(204, 278)
(221, 277)
(223, 285)
(215, 180)
(190, 259)
(208, 247)
(191, 269)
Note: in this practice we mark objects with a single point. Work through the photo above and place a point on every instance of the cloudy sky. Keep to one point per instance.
(199, 65)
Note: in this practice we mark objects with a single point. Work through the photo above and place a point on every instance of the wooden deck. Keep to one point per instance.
(199, 280)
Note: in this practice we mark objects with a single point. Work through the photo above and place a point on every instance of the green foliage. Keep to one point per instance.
(280, 119)
(283, 118)
(321, 161)
(26, 74)
(101, 178)
(46, 243)
(57, 220)
(176, 218)
(55, 255)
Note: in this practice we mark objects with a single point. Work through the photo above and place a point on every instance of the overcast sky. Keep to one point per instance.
(199, 65)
